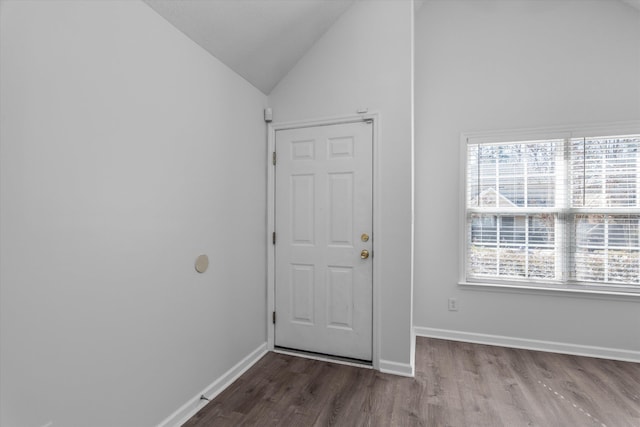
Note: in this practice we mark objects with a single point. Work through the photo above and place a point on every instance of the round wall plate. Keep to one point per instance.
(202, 263)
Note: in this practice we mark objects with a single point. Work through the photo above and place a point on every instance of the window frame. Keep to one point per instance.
(565, 238)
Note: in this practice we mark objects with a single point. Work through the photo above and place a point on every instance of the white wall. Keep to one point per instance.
(495, 65)
(126, 151)
(364, 60)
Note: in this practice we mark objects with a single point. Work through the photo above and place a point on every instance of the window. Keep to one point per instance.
(557, 212)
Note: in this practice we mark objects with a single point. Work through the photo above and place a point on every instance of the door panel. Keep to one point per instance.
(340, 207)
(324, 203)
(340, 297)
(302, 209)
(302, 295)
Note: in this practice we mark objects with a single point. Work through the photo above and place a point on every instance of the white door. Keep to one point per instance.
(324, 220)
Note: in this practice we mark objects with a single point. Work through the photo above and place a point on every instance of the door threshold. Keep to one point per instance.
(324, 357)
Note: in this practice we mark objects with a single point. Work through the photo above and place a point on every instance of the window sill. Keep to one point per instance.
(566, 290)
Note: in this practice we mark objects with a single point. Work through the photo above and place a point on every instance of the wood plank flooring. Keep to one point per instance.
(456, 384)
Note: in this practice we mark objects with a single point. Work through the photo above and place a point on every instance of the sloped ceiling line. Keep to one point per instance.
(261, 40)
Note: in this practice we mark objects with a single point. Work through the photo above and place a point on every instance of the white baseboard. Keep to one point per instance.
(193, 405)
(528, 344)
(395, 368)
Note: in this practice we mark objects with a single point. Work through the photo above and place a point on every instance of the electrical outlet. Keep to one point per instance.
(453, 304)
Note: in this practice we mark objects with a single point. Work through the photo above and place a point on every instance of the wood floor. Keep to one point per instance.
(456, 384)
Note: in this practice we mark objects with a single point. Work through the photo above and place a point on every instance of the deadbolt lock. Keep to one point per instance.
(364, 237)
(364, 254)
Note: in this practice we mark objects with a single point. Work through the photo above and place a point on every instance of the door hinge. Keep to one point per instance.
(273, 317)
(274, 158)
(273, 237)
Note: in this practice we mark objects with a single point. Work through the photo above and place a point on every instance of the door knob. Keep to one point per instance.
(364, 254)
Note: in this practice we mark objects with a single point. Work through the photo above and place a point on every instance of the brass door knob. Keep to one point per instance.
(364, 254)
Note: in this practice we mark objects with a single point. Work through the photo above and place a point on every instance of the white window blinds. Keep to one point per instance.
(556, 211)
(513, 201)
(604, 176)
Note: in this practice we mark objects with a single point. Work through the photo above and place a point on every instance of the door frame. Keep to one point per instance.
(272, 128)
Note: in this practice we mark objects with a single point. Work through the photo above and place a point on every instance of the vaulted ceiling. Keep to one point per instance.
(259, 39)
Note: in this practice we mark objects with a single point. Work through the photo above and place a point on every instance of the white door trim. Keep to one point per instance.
(377, 204)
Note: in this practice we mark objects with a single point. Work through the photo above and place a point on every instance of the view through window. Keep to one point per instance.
(554, 211)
